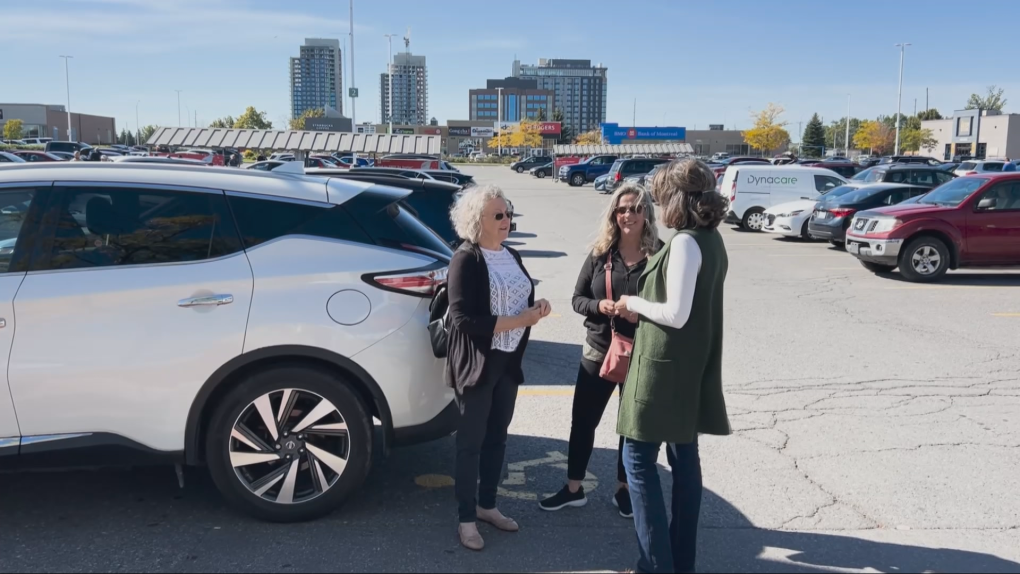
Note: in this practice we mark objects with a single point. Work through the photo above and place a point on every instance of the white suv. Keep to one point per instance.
(256, 323)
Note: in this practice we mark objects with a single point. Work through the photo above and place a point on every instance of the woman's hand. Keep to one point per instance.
(531, 316)
(544, 306)
(629, 316)
(607, 307)
(621, 305)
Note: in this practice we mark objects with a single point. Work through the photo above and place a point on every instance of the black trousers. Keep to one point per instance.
(485, 414)
(591, 395)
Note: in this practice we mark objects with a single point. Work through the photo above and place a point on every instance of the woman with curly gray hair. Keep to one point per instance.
(492, 310)
(673, 389)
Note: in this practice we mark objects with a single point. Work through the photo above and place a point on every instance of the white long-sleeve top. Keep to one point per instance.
(682, 270)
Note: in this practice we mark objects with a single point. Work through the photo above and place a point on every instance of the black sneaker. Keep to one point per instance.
(622, 501)
(563, 499)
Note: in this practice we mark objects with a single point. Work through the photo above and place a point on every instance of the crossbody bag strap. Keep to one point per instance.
(609, 286)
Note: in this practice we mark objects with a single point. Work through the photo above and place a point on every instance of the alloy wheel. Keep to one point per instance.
(289, 446)
(926, 260)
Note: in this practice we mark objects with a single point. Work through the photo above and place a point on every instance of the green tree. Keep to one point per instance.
(13, 129)
(813, 141)
(836, 131)
(145, 133)
(993, 100)
(768, 133)
(298, 123)
(540, 115)
(566, 136)
(253, 119)
(931, 114)
(916, 139)
(224, 122)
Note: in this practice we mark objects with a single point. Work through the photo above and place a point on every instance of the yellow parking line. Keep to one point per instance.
(1005, 314)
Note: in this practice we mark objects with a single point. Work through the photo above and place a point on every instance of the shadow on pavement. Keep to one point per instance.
(138, 520)
(968, 279)
(551, 363)
(541, 254)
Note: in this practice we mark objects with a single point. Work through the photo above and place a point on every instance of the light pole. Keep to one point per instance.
(178, 107)
(138, 126)
(67, 80)
(846, 148)
(899, 98)
(354, 115)
(389, 73)
(499, 121)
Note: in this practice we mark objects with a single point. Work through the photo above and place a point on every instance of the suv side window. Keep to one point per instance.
(20, 215)
(943, 176)
(1006, 196)
(825, 183)
(264, 219)
(896, 176)
(922, 177)
(897, 196)
(90, 227)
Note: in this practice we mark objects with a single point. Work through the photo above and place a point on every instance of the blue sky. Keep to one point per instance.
(687, 63)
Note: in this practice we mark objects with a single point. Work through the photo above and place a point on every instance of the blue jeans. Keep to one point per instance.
(664, 546)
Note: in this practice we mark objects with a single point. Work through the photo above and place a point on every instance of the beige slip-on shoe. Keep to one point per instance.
(496, 518)
(469, 536)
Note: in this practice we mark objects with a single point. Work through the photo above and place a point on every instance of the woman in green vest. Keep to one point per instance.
(673, 390)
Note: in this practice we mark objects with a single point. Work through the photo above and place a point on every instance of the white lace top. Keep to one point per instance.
(509, 290)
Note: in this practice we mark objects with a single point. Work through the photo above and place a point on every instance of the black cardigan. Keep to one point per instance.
(472, 324)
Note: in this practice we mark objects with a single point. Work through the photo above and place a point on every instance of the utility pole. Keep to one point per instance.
(138, 126)
(67, 80)
(499, 121)
(899, 98)
(635, 114)
(389, 73)
(846, 150)
(178, 107)
(354, 115)
(926, 108)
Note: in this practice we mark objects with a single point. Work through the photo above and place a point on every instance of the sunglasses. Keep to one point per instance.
(634, 209)
(508, 215)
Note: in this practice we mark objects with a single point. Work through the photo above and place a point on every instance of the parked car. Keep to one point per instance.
(430, 199)
(623, 168)
(791, 219)
(348, 160)
(160, 160)
(720, 168)
(37, 156)
(533, 161)
(754, 188)
(600, 183)
(37, 141)
(972, 221)
(949, 166)
(587, 170)
(902, 173)
(909, 159)
(63, 155)
(410, 173)
(268, 165)
(7, 157)
(978, 166)
(16, 142)
(282, 156)
(461, 179)
(121, 148)
(832, 218)
(69, 147)
(318, 162)
(720, 156)
(840, 165)
(291, 314)
(542, 171)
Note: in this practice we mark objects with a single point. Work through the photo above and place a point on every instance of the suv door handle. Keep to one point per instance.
(208, 300)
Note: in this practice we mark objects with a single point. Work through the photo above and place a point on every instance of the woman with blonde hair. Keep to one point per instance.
(674, 387)
(627, 237)
(492, 310)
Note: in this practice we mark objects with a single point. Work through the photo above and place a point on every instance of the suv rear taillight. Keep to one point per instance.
(970, 173)
(733, 191)
(417, 283)
(619, 176)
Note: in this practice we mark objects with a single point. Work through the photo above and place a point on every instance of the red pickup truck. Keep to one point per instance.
(971, 221)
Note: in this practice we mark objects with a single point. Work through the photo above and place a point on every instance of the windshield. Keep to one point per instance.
(836, 192)
(869, 175)
(954, 192)
(968, 165)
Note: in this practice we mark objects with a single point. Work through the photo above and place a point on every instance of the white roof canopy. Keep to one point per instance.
(296, 140)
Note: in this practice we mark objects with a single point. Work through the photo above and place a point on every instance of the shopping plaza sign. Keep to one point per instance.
(614, 134)
(544, 128)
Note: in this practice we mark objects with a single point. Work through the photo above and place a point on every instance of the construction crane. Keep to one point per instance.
(407, 41)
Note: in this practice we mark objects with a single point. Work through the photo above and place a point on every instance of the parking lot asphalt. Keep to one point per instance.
(877, 428)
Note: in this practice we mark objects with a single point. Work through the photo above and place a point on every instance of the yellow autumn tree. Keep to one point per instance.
(526, 134)
(768, 133)
(875, 136)
(593, 137)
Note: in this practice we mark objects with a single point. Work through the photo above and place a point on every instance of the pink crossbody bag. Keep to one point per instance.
(614, 368)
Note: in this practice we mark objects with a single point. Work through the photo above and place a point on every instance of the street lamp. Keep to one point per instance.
(389, 68)
(499, 121)
(899, 98)
(67, 80)
(178, 107)
(138, 126)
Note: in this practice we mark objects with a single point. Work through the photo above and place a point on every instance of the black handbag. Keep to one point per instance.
(439, 318)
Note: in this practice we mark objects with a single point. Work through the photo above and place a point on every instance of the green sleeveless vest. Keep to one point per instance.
(674, 386)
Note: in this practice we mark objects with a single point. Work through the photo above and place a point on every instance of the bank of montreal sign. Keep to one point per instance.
(614, 134)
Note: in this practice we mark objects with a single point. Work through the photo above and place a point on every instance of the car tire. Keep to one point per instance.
(804, 235)
(323, 479)
(924, 259)
(753, 220)
(540, 174)
(877, 267)
(577, 180)
(837, 244)
(520, 169)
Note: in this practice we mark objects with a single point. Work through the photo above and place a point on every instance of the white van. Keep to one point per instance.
(753, 188)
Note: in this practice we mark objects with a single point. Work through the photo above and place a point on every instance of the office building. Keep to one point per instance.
(522, 100)
(579, 88)
(316, 80)
(410, 91)
(50, 121)
(978, 134)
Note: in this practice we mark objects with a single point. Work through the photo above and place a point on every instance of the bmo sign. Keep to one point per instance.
(614, 134)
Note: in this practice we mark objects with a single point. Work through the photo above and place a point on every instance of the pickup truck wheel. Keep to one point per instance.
(520, 169)
(877, 267)
(924, 259)
(754, 219)
(577, 180)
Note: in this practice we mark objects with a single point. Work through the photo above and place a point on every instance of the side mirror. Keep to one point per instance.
(988, 203)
